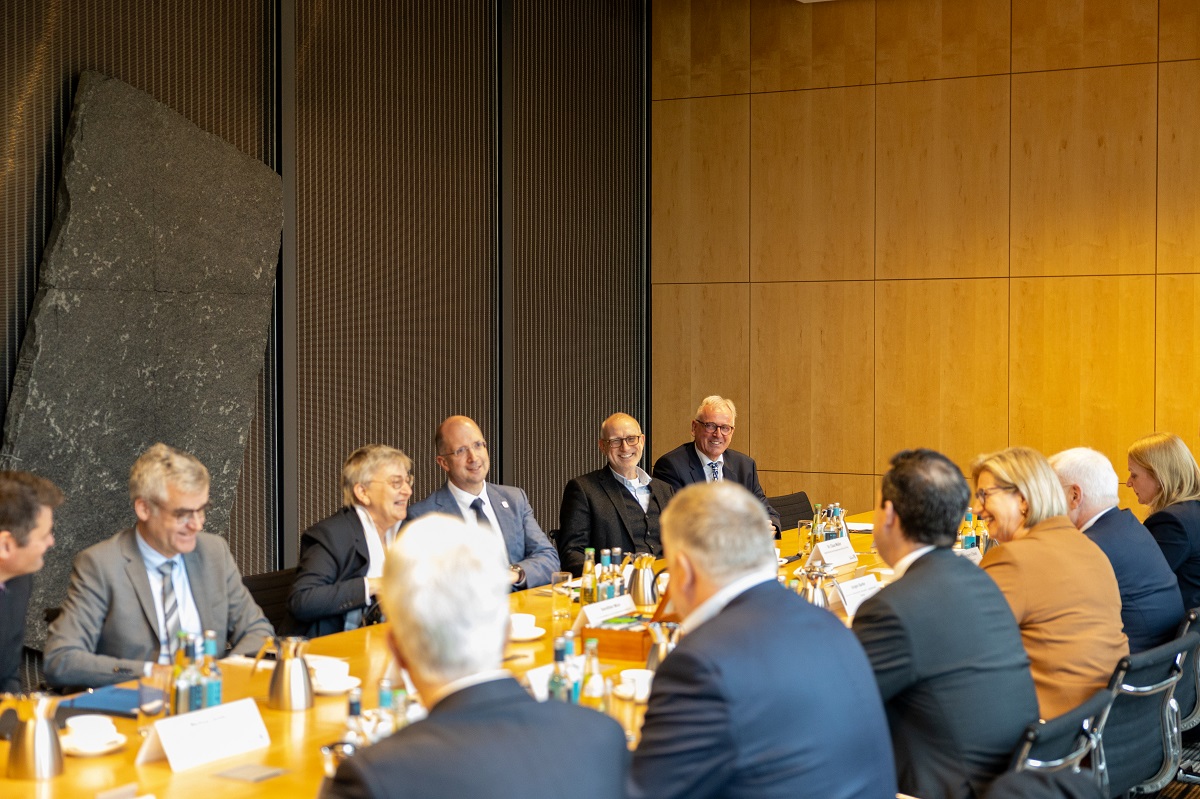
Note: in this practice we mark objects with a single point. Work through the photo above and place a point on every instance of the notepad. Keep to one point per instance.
(110, 699)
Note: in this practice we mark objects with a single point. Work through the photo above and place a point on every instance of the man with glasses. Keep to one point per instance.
(132, 594)
(617, 505)
(707, 458)
(341, 557)
(462, 454)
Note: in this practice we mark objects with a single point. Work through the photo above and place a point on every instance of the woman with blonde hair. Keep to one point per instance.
(1059, 584)
(1164, 475)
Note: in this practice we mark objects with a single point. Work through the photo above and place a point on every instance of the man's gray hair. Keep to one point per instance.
(1090, 470)
(722, 527)
(716, 402)
(445, 592)
(160, 465)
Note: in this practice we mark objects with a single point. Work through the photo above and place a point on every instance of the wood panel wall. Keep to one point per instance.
(961, 224)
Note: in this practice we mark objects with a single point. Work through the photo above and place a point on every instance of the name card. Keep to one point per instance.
(605, 609)
(857, 591)
(970, 553)
(835, 552)
(203, 736)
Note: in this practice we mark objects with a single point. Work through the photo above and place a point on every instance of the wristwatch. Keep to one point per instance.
(520, 572)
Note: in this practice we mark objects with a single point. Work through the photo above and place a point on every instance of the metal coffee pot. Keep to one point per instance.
(643, 583)
(665, 635)
(814, 586)
(34, 752)
(291, 686)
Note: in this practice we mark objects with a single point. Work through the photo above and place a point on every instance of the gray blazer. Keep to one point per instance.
(108, 627)
(528, 547)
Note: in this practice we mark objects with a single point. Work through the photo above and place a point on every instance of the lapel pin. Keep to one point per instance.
(504, 503)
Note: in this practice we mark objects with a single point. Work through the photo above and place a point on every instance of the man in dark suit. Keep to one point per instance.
(1151, 604)
(27, 504)
(462, 454)
(765, 695)
(942, 640)
(446, 596)
(617, 505)
(341, 557)
(707, 457)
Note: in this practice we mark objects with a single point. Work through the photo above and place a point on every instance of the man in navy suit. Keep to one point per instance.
(766, 695)
(618, 505)
(462, 454)
(445, 590)
(1151, 604)
(707, 457)
(942, 639)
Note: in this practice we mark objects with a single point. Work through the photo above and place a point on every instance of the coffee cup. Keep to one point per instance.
(522, 624)
(637, 682)
(327, 670)
(92, 729)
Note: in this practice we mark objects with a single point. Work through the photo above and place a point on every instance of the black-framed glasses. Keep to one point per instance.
(398, 482)
(185, 514)
(981, 496)
(479, 447)
(713, 427)
(615, 443)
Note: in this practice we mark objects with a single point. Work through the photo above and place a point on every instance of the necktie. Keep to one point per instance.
(170, 606)
(480, 517)
(716, 475)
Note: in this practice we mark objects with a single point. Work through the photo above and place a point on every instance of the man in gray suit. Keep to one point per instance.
(132, 594)
(463, 455)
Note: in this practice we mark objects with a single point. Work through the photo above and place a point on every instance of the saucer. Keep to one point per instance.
(336, 687)
(90, 749)
(623, 691)
(529, 635)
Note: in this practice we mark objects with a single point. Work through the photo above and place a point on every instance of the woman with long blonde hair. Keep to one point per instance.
(1164, 476)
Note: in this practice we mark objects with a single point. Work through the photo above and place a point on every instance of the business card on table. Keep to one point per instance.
(833, 553)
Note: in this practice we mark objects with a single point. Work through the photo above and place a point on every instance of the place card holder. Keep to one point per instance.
(619, 644)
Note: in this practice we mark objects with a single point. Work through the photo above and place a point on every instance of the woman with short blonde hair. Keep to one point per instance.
(1164, 476)
(1059, 584)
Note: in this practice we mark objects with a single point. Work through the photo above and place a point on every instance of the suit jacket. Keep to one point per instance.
(953, 675)
(329, 578)
(491, 740)
(1151, 606)
(527, 545)
(599, 512)
(14, 604)
(681, 467)
(1064, 595)
(772, 697)
(1176, 528)
(108, 627)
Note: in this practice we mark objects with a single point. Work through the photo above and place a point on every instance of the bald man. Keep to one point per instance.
(615, 506)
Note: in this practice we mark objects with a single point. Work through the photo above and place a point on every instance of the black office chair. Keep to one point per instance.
(270, 591)
(792, 509)
(1188, 688)
(1067, 742)
(1043, 785)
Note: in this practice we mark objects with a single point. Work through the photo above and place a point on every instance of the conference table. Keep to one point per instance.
(297, 737)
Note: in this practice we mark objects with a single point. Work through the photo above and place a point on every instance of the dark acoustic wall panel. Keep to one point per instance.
(213, 62)
(579, 280)
(395, 217)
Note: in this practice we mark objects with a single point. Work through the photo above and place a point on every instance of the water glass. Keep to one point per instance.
(560, 595)
(154, 690)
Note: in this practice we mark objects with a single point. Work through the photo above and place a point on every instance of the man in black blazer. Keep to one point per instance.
(707, 457)
(341, 557)
(1151, 604)
(766, 695)
(446, 596)
(617, 505)
(942, 640)
(27, 504)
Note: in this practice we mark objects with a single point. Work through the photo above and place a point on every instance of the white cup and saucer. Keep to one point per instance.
(90, 735)
(635, 685)
(330, 675)
(523, 627)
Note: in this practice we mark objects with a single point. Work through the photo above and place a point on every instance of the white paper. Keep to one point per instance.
(860, 527)
(855, 592)
(970, 553)
(203, 736)
(609, 609)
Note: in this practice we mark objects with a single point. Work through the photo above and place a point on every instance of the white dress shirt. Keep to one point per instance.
(705, 460)
(189, 615)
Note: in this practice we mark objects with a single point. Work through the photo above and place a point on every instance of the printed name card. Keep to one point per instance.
(970, 553)
(203, 736)
(835, 552)
(857, 591)
(605, 609)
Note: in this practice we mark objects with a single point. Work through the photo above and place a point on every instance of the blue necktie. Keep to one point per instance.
(716, 475)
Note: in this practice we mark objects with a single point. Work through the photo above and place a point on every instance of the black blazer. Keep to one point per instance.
(329, 579)
(595, 513)
(953, 674)
(1151, 605)
(681, 467)
(1176, 528)
(14, 603)
(770, 698)
(492, 740)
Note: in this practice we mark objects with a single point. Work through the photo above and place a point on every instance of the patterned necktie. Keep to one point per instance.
(480, 517)
(716, 475)
(170, 606)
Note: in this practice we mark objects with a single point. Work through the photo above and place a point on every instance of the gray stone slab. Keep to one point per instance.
(151, 318)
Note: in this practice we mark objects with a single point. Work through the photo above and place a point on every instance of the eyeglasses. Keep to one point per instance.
(479, 447)
(981, 496)
(186, 514)
(397, 482)
(615, 443)
(713, 427)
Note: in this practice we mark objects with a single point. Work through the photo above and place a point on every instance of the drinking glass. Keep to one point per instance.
(154, 689)
(560, 596)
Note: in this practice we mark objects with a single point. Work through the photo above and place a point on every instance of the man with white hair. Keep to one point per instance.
(1151, 605)
(765, 695)
(445, 592)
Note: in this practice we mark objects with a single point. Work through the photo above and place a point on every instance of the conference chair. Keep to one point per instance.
(1139, 737)
(1070, 742)
(792, 509)
(270, 591)
(1043, 785)
(1188, 689)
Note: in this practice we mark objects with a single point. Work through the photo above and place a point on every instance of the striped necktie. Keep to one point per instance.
(170, 606)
